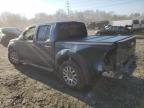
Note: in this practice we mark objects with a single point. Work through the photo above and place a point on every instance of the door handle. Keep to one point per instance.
(44, 44)
(47, 46)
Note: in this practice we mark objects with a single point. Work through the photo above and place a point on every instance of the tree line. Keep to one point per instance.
(15, 20)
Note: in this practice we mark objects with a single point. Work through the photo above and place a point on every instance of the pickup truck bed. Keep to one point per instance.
(113, 51)
(101, 39)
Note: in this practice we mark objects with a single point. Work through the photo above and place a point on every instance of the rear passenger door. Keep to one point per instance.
(44, 45)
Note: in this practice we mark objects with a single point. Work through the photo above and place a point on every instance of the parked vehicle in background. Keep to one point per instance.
(8, 33)
(114, 30)
(142, 24)
(97, 25)
(65, 49)
(135, 24)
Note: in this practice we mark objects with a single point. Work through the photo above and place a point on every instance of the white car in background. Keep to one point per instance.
(134, 24)
(142, 24)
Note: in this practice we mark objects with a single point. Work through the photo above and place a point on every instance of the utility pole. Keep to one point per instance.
(68, 7)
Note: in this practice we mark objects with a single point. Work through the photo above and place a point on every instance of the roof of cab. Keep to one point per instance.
(57, 22)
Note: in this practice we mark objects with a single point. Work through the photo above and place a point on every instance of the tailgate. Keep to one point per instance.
(125, 50)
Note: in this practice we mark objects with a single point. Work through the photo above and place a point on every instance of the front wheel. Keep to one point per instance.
(13, 57)
(72, 75)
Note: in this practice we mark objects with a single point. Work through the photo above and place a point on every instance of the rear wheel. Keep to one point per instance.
(72, 75)
(13, 57)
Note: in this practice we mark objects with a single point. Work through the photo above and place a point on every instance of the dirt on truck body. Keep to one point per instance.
(29, 87)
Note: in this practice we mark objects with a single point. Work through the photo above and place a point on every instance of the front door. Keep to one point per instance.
(26, 46)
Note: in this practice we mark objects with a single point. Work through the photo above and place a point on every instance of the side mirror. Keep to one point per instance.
(21, 37)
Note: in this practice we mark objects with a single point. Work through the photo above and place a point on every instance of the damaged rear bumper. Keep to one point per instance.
(124, 69)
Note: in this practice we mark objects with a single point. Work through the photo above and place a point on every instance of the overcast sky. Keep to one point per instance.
(29, 8)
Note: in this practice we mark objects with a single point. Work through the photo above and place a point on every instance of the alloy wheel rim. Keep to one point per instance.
(70, 76)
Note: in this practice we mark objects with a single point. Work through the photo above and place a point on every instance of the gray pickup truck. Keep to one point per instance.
(65, 49)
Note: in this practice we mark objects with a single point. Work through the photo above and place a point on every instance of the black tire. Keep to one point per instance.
(75, 79)
(13, 57)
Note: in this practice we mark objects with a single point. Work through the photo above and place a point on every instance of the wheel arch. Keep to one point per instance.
(78, 59)
(13, 47)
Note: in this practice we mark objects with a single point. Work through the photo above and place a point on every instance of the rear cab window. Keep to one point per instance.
(71, 30)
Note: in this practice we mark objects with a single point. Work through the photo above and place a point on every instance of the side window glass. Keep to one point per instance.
(112, 29)
(142, 22)
(122, 28)
(29, 33)
(116, 29)
(43, 33)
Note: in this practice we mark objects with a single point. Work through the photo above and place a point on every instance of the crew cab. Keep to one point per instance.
(65, 49)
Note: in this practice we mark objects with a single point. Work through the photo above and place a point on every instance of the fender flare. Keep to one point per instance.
(11, 46)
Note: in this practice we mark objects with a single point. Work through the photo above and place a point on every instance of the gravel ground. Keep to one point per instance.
(29, 87)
